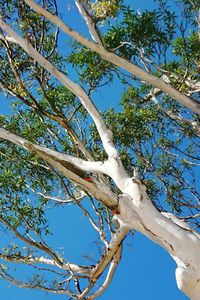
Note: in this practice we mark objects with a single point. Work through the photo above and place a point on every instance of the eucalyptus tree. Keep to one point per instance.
(130, 168)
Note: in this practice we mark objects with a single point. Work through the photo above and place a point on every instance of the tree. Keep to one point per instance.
(128, 170)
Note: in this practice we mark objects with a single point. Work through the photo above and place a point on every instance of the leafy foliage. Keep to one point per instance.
(151, 131)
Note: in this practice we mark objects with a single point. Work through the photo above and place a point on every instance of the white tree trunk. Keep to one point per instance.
(181, 242)
(136, 210)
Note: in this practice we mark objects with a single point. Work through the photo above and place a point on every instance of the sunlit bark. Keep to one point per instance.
(133, 210)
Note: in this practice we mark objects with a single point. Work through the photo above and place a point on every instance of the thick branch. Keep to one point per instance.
(7, 38)
(112, 268)
(105, 134)
(87, 166)
(114, 246)
(68, 166)
(114, 250)
(119, 61)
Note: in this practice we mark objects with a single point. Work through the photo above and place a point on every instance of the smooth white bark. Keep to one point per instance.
(183, 244)
(105, 134)
(136, 210)
(89, 21)
(102, 193)
(88, 166)
(47, 261)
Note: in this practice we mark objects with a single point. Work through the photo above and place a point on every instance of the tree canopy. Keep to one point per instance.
(52, 80)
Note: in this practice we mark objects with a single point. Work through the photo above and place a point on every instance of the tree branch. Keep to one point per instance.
(36, 286)
(114, 249)
(69, 167)
(119, 61)
(112, 268)
(67, 266)
(105, 134)
(94, 32)
(32, 242)
(7, 38)
(87, 166)
(193, 124)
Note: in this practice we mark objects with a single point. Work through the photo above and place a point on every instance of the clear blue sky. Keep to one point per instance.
(146, 271)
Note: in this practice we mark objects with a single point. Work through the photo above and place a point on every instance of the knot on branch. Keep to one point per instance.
(188, 281)
(127, 218)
